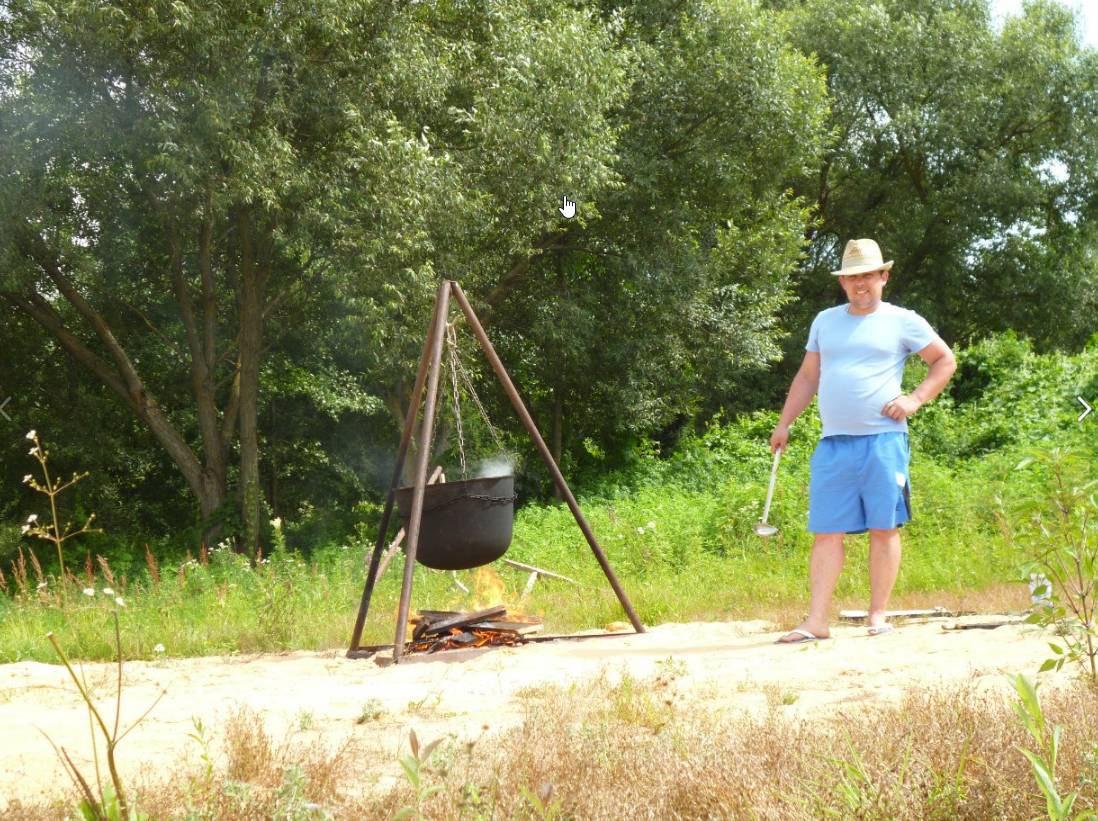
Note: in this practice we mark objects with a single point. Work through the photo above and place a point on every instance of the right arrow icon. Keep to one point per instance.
(1085, 405)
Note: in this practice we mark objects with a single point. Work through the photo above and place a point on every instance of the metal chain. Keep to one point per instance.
(496, 500)
(451, 345)
(458, 371)
(467, 380)
(435, 427)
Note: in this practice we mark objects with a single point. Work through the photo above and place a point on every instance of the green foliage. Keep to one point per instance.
(229, 169)
(104, 802)
(676, 527)
(635, 319)
(1005, 395)
(1058, 535)
(968, 152)
(1043, 761)
(414, 765)
(289, 802)
(234, 217)
(541, 804)
(109, 809)
(856, 787)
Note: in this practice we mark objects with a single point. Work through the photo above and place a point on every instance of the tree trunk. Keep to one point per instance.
(272, 461)
(254, 264)
(558, 426)
(558, 384)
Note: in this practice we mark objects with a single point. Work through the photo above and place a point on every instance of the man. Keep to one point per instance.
(855, 361)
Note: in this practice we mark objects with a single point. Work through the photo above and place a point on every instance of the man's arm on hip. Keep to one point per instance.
(942, 367)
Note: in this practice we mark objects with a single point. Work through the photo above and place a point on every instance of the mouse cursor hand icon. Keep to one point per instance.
(569, 209)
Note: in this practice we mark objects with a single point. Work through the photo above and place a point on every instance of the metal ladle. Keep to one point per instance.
(762, 528)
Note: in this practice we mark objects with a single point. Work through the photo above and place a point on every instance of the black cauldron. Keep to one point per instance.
(465, 524)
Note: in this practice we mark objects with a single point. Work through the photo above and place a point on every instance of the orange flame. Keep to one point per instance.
(488, 588)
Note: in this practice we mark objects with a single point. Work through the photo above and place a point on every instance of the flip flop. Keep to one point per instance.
(880, 631)
(804, 635)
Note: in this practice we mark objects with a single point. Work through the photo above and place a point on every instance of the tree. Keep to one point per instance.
(654, 302)
(175, 178)
(970, 154)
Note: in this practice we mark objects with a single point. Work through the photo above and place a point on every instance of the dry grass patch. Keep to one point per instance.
(631, 749)
(994, 599)
(614, 747)
(1001, 597)
(252, 775)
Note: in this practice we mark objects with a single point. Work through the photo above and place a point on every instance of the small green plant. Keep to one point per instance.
(426, 706)
(292, 801)
(305, 720)
(1089, 778)
(948, 790)
(372, 710)
(778, 696)
(858, 792)
(413, 766)
(112, 803)
(636, 703)
(111, 808)
(540, 802)
(278, 538)
(52, 488)
(1060, 537)
(1043, 761)
(200, 735)
(671, 668)
(481, 807)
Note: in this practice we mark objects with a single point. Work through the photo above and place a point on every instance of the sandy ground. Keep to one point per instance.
(319, 696)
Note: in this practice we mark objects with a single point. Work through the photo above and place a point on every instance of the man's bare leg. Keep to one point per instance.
(884, 565)
(824, 569)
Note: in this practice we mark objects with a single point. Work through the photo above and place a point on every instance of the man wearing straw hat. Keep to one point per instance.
(854, 361)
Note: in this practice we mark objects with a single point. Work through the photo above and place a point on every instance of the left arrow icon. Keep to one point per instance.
(1085, 405)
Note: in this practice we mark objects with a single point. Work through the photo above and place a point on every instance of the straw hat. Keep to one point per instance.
(862, 256)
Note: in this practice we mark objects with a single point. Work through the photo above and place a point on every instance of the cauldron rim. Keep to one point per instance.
(460, 529)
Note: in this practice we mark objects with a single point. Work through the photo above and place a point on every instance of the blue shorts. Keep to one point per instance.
(859, 483)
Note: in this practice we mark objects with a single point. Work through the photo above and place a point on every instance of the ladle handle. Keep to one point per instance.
(773, 476)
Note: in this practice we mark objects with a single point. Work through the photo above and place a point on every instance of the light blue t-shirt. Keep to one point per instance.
(862, 365)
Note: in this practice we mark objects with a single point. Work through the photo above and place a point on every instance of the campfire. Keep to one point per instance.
(436, 630)
(497, 620)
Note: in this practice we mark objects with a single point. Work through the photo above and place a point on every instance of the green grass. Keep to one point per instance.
(677, 531)
(682, 553)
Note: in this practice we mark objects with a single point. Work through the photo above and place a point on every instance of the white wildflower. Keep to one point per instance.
(27, 478)
(32, 518)
(119, 602)
(107, 591)
(159, 648)
(26, 528)
(276, 523)
(652, 525)
(640, 530)
(42, 584)
(32, 434)
(89, 591)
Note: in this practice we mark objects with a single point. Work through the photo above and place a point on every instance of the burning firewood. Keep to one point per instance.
(436, 630)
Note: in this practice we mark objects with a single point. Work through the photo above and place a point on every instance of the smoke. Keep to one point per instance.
(496, 466)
